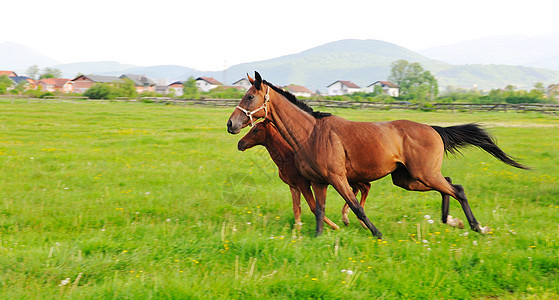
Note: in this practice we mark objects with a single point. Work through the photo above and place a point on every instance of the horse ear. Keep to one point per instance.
(250, 79)
(257, 83)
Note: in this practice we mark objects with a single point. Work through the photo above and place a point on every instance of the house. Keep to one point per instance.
(142, 82)
(162, 89)
(553, 91)
(243, 83)
(298, 90)
(8, 73)
(342, 87)
(205, 84)
(177, 87)
(55, 85)
(82, 83)
(387, 87)
(30, 84)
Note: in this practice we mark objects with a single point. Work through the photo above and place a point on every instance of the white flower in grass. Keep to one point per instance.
(430, 221)
(425, 242)
(64, 282)
(427, 217)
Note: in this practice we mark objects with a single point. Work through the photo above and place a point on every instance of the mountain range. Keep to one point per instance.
(486, 64)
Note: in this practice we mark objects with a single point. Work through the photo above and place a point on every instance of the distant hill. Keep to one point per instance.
(360, 61)
(168, 72)
(514, 50)
(18, 58)
(366, 61)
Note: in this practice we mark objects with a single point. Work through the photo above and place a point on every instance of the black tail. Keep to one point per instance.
(460, 136)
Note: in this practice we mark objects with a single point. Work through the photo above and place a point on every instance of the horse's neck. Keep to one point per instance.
(294, 124)
(278, 148)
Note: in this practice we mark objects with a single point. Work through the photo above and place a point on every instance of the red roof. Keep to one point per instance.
(385, 83)
(9, 73)
(210, 80)
(349, 84)
(297, 89)
(57, 82)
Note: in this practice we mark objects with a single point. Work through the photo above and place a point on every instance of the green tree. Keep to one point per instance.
(126, 89)
(100, 91)
(5, 83)
(51, 73)
(32, 71)
(415, 82)
(190, 90)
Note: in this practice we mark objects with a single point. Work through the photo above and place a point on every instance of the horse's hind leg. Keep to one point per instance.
(446, 218)
(461, 197)
(402, 178)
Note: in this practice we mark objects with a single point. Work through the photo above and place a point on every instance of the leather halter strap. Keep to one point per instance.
(264, 107)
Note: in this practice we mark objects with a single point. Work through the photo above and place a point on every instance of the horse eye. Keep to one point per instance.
(250, 97)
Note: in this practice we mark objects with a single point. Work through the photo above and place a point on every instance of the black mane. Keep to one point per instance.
(302, 105)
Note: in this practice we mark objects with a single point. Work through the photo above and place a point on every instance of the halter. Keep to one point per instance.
(264, 106)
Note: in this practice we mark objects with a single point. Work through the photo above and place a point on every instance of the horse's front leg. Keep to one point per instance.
(320, 197)
(308, 195)
(296, 199)
(344, 189)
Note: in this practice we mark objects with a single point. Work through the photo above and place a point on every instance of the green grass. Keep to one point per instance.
(153, 201)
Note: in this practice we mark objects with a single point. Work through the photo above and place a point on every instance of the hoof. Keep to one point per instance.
(485, 230)
(454, 222)
(345, 220)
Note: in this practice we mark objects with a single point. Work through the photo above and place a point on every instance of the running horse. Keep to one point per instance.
(265, 133)
(332, 150)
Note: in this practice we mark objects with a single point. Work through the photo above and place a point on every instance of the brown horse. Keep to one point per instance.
(265, 134)
(331, 150)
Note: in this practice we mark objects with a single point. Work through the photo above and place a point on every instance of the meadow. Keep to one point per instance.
(107, 200)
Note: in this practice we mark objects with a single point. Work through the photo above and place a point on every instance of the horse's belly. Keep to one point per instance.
(369, 169)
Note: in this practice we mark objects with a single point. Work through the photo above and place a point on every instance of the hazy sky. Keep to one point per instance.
(210, 35)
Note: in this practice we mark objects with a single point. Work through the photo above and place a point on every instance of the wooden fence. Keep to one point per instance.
(465, 107)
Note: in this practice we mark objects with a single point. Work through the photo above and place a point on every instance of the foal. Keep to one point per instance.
(266, 134)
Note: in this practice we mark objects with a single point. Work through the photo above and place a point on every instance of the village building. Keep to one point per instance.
(387, 87)
(342, 87)
(243, 83)
(82, 83)
(205, 84)
(55, 85)
(30, 84)
(177, 87)
(298, 90)
(142, 82)
(553, 91)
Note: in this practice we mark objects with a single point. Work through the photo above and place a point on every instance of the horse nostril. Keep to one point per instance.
(241, 146)
(229, 124)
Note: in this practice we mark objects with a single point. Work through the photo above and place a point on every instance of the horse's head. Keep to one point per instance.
(256, 136)
(252, 107)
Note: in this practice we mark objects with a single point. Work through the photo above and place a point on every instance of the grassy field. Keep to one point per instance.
(144, 201)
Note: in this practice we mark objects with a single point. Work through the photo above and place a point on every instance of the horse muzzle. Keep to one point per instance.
(232, 129)
(242, 146)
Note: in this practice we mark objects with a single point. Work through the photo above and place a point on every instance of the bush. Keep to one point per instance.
(100, 91)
